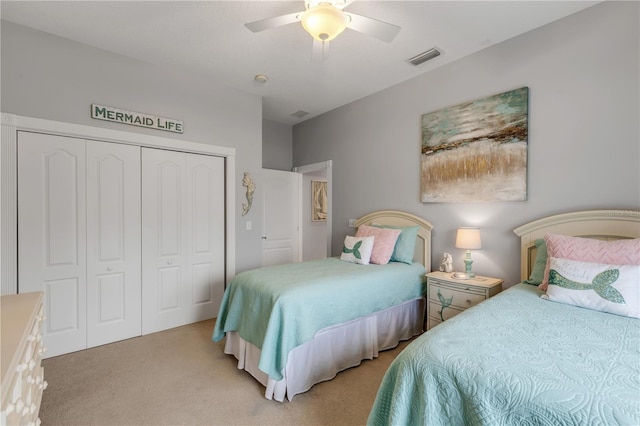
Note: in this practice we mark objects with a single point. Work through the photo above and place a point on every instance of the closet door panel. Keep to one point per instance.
(114, 247)
(52, 234)
(164, 214)
(206, 236)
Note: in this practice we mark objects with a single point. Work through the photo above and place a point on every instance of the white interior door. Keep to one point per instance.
(52, 234)
(113, 242)
(281, 215)
(206, 260)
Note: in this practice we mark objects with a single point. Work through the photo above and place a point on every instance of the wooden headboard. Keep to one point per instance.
(422, 252)
(600, 224)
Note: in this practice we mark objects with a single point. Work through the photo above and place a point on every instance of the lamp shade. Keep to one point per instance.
(468, 238)
(324, 22)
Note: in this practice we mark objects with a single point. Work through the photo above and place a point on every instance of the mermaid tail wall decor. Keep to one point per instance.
(251, 187)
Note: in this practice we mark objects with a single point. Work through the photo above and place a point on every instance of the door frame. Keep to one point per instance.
(317, 167)
(10, 125)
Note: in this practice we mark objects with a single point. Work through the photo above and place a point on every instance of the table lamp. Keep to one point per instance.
(467, 238)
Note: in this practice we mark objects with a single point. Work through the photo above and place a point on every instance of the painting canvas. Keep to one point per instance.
(318, 201)
(476, 151)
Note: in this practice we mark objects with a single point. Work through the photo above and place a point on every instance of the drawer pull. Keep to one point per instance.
(468, 302)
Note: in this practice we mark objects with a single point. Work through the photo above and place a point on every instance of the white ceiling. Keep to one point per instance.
(210, 37)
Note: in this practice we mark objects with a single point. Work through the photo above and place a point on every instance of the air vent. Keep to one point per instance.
(424, 56)
(299, 114)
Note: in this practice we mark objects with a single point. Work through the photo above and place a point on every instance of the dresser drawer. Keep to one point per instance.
(459, 298)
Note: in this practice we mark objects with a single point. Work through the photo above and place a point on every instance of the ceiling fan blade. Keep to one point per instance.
(343, 4)
(372, 27)
(278, 21)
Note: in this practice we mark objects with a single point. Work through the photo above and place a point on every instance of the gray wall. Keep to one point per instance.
(584, 149)
(277, 146)
(49, 77)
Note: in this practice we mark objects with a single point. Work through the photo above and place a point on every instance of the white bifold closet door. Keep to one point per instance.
(79, 237)
(183, 238)
(52, 235)
(113, 242)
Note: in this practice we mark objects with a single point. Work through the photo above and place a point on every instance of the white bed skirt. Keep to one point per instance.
(333, 349)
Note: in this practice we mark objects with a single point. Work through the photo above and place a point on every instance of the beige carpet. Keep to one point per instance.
(181, 377)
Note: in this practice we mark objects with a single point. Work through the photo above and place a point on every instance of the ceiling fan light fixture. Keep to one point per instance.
(324, 22)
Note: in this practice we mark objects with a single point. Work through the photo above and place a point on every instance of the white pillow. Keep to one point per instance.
(598, 286)
(357, 250)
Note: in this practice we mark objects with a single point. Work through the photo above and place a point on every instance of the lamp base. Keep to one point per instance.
(463, 275)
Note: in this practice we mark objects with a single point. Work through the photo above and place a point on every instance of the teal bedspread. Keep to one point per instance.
(517, 360)
(280, 307)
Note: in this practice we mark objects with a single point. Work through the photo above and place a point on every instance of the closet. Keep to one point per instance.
(123, 240)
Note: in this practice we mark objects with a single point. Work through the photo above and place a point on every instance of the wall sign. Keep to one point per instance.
(136, 119)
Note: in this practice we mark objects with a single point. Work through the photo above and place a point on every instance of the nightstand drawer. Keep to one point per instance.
(461, 299)
(439, 314)
(432, 322)
(462, 286)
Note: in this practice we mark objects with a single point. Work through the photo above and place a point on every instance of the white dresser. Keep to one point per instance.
(22, 373)
(447, 296)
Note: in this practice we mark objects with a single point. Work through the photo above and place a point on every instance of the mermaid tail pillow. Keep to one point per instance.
(599, 286)
(357, 250)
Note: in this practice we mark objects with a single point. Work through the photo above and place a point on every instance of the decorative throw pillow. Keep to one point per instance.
(384, 243)
(357, 250)
(598, 286)
(405, 245)
(617, 252)
(537, 272)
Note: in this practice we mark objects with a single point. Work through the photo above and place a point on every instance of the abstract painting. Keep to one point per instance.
(476, 151)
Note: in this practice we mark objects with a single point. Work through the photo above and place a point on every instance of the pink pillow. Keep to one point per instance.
(617, 252)
(384, 241)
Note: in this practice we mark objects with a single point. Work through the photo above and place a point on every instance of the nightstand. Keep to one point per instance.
(447, 296)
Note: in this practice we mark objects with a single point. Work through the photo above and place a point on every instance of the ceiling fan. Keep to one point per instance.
(324, 20)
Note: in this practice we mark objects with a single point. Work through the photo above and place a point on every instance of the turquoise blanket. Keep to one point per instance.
(517, 359)
(280, 307)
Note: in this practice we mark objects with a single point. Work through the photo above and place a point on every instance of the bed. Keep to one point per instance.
(292, 326)
(519, 359)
